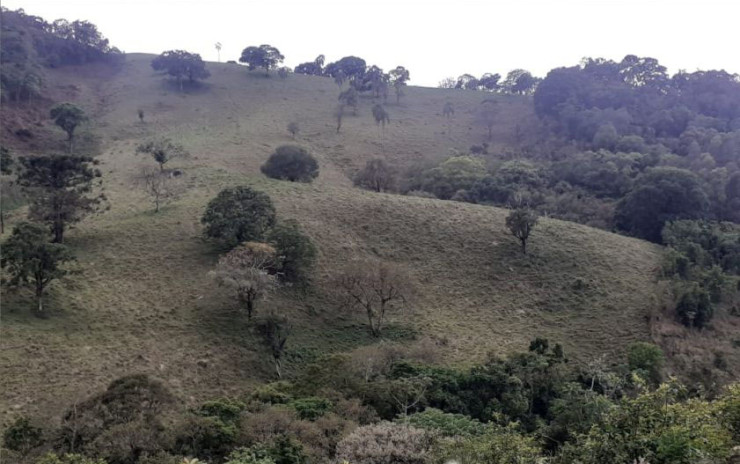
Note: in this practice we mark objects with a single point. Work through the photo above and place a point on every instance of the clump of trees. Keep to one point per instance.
(312, 68)
(181, 65)
(266, 57)
(291, 162)
(31, 44)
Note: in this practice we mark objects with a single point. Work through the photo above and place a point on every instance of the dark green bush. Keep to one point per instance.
(238, 215)
(293, 163)
(296, 253)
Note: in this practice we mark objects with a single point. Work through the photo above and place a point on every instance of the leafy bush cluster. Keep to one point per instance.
(703, 260)
(529, 408)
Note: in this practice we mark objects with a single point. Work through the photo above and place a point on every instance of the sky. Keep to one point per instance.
(433, 39)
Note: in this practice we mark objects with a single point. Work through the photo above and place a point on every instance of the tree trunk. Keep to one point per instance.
(156, 204)
(2, 218)
(250, 307)
(39, 298)
(524, 245)
(278, 367)
(58, 231)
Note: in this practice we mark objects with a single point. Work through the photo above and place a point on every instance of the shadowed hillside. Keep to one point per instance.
(144, 302)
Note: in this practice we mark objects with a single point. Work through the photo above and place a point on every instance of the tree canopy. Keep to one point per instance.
(266, 57)
(180, 65)
(238, 215)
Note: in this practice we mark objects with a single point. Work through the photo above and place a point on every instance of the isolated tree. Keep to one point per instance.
(520, 223)
(352, 67)
(447, 83)
(275, 331)
(283, 72)
(376, 175)
(245, 271)
(68, 117)
(162, 150)
(339, 115)
(60, 189)
(29, 258)
(218, 50)
(160, 186)
(399, 77)
(374, 287)
(291, 162)
(181, 65)
(381, 119)
(487, 115)
(264, 56)
(238, 215)
(296, 253)
(350, 97)
(448, 111)
(293, 128)
(140, 113)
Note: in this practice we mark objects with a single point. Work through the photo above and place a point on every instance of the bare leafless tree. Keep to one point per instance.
(244, 270)
(374, 287)
(161, 187)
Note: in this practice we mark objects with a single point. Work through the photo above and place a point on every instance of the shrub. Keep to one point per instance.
(21, 436)
(52, 458)
(295, 251)
(386, 443)
(694, 308)
(449, 425)
(311, 408)
(226, 409)
(647, 359)
(376, 176)
(501, 445)
(293, 163)
(238, 215)
(204, 437)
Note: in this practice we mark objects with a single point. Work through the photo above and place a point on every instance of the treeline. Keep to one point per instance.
(383, 404)
(30, 44)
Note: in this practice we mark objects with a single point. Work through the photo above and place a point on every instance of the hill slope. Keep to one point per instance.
(144, 303)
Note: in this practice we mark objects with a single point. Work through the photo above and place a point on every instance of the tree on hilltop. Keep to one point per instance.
(264, 56)
(399, 77)
(181, 65)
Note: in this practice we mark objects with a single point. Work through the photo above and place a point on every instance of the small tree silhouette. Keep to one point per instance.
(381, 119)
(293, 128)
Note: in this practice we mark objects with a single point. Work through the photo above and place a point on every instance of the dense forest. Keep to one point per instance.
(619, 146)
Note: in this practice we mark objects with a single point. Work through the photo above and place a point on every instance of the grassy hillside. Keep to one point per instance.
(145, 304)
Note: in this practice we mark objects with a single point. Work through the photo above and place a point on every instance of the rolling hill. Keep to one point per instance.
(144, 303)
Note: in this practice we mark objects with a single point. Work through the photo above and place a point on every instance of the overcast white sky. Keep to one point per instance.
(432, 38)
